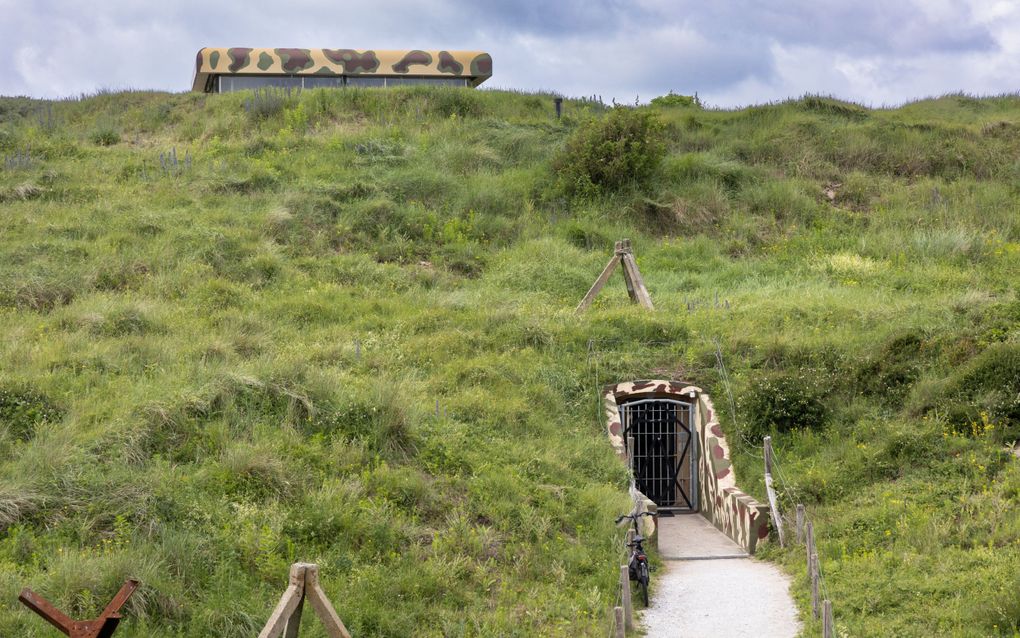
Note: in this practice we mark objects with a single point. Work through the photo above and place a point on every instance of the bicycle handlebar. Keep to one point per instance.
(634, 516)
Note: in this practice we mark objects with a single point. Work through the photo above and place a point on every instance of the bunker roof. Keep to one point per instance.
(475, 66)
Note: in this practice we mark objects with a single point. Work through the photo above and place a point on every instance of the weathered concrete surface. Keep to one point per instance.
(691, 536)
(703, 591)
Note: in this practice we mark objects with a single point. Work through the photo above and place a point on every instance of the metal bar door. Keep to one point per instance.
(665, 451)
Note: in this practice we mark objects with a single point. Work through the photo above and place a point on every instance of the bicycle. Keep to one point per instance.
(637, 566)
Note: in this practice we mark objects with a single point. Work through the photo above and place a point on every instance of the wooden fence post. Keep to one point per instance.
(618, 615)
(628, 605)
(630, 455)
(800, 523)
(827, 625)
(777, 520)
(814, 586)
(810, 544)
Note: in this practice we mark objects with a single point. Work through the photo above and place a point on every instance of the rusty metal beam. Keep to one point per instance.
(101, 627)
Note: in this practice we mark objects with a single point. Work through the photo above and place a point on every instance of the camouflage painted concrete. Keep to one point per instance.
(736, 514)
(475, 66)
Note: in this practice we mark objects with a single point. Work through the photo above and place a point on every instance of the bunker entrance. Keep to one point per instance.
(664, 451)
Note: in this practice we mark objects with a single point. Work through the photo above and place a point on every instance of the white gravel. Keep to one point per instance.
(720, 598)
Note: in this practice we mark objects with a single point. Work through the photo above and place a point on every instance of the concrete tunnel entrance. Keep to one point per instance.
(669, 434)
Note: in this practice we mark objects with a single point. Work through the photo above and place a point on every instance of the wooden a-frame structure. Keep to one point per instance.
(286, 618)
(622, 256)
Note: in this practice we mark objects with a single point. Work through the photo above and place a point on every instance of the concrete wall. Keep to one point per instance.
(736, 514)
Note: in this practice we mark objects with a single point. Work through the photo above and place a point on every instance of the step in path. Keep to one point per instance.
(708, 587)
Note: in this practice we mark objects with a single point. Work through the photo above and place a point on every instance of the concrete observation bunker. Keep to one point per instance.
(227, 69)
(669, 434)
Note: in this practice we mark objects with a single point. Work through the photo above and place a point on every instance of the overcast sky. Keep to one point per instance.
(731, 52)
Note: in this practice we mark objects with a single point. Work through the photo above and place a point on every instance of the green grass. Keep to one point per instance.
(209, 372)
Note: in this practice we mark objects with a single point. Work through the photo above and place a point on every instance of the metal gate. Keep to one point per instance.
(665, 451)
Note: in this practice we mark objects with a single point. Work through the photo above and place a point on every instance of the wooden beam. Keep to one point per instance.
(630, 268)
(815, 609)
(598, 285)
(800, 523)
(313, 589)
(628, 279)
(289, 603)
(293, 628)
(628, 605)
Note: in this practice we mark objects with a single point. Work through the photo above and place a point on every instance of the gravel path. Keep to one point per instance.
(705, 597)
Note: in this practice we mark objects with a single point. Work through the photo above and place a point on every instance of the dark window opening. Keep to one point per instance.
(230, 83)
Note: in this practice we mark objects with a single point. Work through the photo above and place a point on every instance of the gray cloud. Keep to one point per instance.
(731, 52)
(864, 27)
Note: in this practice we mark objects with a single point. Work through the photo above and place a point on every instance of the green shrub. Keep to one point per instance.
(783, 402)
(982, 396)
(896, 365)
(23, 409)
(586, 235)
(858, 190)
(104, 135)
(605, 155)
(675, 99)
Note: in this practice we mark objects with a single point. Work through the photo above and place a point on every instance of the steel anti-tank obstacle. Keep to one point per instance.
(101, 627)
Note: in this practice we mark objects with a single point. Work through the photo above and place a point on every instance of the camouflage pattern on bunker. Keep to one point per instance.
(474, 67)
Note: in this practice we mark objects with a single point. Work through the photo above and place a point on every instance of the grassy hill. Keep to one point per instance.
(240, 331)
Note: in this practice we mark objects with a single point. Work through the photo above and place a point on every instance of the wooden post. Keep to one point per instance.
(289, 603)
(323, 608)
(810, 544)
(800, 523)
(599, 283)
(827, 625)
(628, 278)
(630, 455)
(814, 585)
(777, 520)
(628, 605)
(636, 281)
(618, 615)
(293, 628)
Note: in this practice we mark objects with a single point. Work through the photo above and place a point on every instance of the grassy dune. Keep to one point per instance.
(339, 329)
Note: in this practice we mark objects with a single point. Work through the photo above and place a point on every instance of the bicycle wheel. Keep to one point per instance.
(643, 581)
